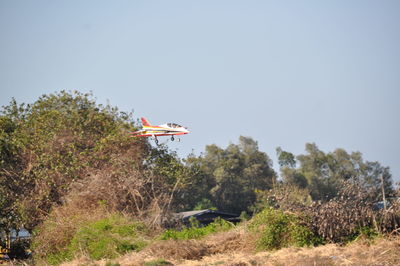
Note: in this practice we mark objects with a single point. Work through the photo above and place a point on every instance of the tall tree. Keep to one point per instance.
(238, 171)
(290, 175)
(323, 172)
(46, 146)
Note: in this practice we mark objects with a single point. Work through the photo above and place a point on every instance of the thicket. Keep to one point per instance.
(275, 229)
(346, 216)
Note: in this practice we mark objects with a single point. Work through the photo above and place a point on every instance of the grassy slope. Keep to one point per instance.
(235, 247)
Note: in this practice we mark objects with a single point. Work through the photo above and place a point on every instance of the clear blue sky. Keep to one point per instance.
(282, 72)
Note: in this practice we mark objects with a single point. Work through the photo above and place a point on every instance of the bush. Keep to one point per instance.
(105, 238)
(351, 214)
(342, 218)
(195, 231)
(364, 233)
(276, 229)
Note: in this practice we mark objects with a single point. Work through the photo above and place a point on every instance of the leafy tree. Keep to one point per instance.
(290, 175)
(184, 184)
(285, 158)
(238, 171)
(325, 171)
(371, 178)
(11, 163)
(293, 177)
(47, 146)
(197, 193)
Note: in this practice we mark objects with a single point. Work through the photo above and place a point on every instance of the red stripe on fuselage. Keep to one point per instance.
(158, 134)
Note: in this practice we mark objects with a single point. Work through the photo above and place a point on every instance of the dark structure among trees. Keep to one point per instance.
(206, 217)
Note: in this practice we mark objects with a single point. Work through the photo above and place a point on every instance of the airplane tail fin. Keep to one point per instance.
(145, 122)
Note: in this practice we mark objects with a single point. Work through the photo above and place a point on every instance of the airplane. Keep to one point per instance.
(168, 129)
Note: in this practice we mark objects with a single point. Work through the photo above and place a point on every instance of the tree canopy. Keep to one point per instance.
(65, 145)
(322, 172)
(234, 174)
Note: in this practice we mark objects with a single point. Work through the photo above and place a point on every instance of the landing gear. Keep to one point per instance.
(177, 139)
(156, 140)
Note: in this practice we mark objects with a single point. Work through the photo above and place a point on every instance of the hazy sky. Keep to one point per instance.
(282, 72)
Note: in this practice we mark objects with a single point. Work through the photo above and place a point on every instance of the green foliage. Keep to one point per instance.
(204, 204)
(363, 232)
(285, 159)
(235, 173)
(106, 238)
(292, 176)
(195, 231)
(244, 216)
(322, 172)
(368, 232)
(276, 229)
(46, 146)
(195, 195)
(58, 258)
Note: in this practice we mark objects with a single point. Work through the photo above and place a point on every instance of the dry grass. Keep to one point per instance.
(233, 248)
(192, 250)
(234, 240)
(383, 252)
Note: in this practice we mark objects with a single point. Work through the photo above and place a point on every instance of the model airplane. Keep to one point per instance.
(168, 129)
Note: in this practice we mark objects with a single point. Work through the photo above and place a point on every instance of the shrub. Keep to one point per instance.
(195, 231)
(104, 238)
(351, 214)
(342, 218)
(107, 238)
(276, 229)
(364, 233)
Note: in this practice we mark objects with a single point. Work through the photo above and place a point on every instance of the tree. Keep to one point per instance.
(325, 171)
(289, 174)
(238, 171)
(11, 164)
(285, 159)
(197, 193)
(46, 146)
(372, 174)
